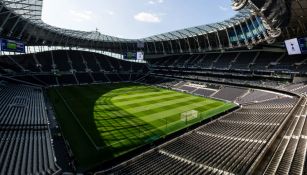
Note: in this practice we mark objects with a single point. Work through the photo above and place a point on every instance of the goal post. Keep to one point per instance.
(189, 115)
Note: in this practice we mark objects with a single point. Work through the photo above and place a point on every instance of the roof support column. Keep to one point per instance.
(14, 26)
(208, 41)
(5, 21)
(23, 30)
(161, 40)
(178, 42)
(244, 34)
(238, 39)
(186, 39)
(198, 45)
(146, 43)
(120, 46)
(30, 34)
(256, 29)
(227, 33)
(251, 33)
(171, 44)
(229, 42)
(263, 29)
(163, 49)
(54, 38)
(218, 39)
(196, 39)
(154, 42)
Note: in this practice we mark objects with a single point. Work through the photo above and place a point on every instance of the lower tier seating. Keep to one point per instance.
(225, 146)
(25, 140)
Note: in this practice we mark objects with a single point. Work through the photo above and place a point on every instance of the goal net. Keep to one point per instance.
(189, 115)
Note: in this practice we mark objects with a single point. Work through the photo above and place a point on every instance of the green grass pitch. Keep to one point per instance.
(105, 121)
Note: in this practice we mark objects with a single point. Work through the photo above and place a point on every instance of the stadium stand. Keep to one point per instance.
(244, 60)
(224, 62)
(264, 59)
(100, 77)
(250, 61)
(230, 93)
(241, 61)
(257, 95)
(290, 155)
(71, 67)
(204, 92)
(26, 145)
(237, 139)
(261, 115)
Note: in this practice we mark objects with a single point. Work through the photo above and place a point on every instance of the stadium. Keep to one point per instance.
(228, 97)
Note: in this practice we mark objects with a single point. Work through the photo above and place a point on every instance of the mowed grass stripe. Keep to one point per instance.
(134, 89)
(173, 111)
(120, 133)
(125, 94)
(161, 104)
(144, 95)
(165, 109)
(149, 100)
(203, 109)
(110, 114)
(105, 121)
(137, 94)
(121, 123)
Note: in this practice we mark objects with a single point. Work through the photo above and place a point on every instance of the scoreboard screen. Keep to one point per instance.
(134, 56)
(12, 46)
(130, 56)
(140, 56)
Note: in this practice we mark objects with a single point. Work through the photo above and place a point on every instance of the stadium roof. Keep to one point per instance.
(200, 30)
(25, 16)
(32, 10)
(298, 20)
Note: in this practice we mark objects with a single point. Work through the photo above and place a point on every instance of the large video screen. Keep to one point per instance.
(293, 46)
(130, 56)
(12, 46)
(134, 55)
(140, 56)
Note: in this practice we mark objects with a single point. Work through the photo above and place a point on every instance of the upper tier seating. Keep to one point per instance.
(68, 67)
(236, 61)
(264, 59)
(243, 60)
(225, 60)
(65, 60)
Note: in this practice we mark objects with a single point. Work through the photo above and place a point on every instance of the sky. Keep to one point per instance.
(134, 19)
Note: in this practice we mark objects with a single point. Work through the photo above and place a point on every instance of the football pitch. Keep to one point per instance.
(104, 121)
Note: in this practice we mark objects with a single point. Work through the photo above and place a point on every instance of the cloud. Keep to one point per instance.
(147, 17)
(223, 8)
(110, 12)
(155, 2)
(81, 16)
